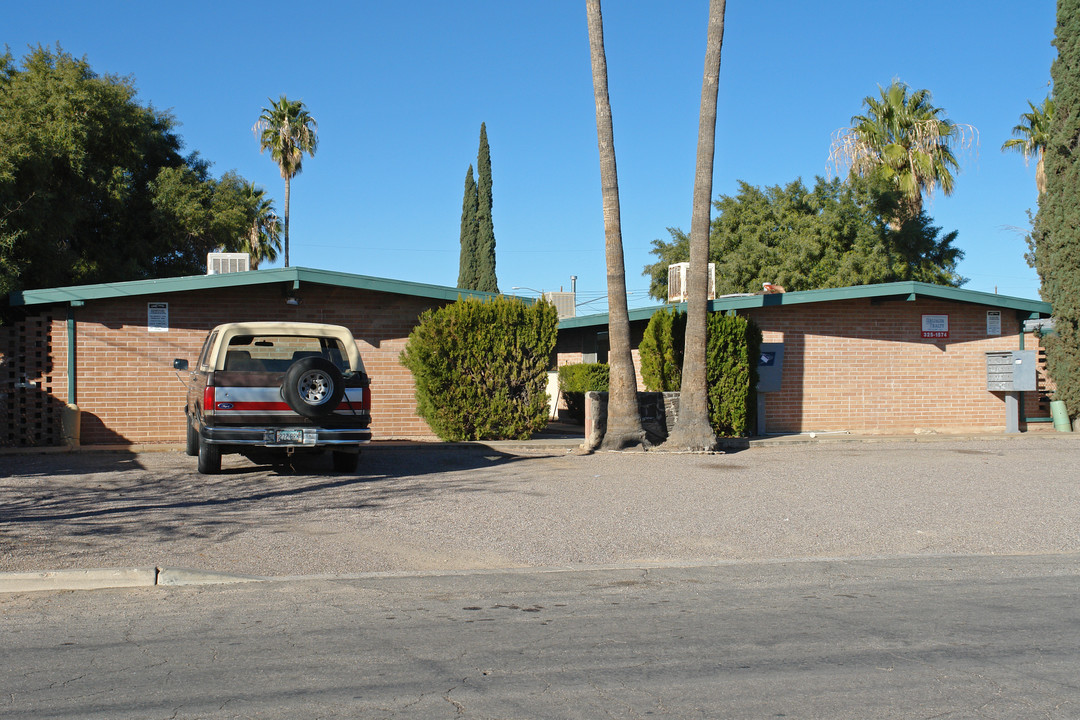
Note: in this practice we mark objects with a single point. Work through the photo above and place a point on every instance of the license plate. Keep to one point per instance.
(289, 436)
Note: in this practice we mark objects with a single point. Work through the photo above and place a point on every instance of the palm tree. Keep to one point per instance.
(264, 236)
(1031, 136)
(692, 429)
(287, 131)
(623, 419)
(905, 141)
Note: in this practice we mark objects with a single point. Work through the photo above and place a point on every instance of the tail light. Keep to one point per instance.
(365, 402)
(209, 400)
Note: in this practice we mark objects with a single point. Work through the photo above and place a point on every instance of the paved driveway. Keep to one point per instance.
(435, 508)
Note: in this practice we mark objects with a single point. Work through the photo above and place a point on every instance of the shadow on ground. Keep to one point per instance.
(101, 499)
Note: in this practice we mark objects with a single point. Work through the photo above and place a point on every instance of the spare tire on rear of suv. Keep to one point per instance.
(313, 387)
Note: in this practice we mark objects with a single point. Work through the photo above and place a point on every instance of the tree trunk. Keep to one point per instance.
(692, 430)
(623, 419)
(287, 189)
(1040, 175)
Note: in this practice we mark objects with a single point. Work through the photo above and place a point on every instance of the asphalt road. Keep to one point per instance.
(832, 580)
(988, 637)
(410, 508)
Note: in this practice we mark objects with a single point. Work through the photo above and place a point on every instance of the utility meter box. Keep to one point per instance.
(1011, 371)
(770, 367)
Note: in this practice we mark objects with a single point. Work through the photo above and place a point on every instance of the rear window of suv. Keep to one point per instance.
(275, 353)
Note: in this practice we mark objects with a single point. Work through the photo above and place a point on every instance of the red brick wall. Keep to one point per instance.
(129, 392)
(864, 367)
(859, 366)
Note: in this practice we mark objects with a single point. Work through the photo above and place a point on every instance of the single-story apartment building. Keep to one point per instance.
(109, 348)
(893, 358)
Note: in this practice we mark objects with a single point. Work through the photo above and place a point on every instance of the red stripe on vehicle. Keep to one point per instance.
(251, 406)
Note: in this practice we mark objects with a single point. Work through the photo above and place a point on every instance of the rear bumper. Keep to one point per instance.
(269, 437)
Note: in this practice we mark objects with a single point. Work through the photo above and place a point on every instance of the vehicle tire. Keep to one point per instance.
(313, 387)
(346, 462)
(209, 458)
(192, 438)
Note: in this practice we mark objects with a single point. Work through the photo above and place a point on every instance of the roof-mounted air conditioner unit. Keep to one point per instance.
(218, 263)
(677, 281)
(564, 302)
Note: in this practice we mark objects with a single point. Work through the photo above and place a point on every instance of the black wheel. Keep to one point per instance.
(192, 438)
(313, 387)
(209, 458)
(346, 462)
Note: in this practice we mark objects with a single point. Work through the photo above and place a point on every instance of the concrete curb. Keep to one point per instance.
(103, 578)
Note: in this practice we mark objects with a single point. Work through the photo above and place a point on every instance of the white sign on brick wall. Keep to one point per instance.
(935, 326)
(993, 322)
(157, 317)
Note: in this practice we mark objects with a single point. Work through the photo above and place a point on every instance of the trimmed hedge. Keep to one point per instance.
(576, 380)
(480, 367)
(731, 365)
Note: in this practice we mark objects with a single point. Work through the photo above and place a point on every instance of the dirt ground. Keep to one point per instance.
(461, 507)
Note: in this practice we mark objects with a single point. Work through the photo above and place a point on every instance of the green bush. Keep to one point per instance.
(731, 365)
(731, 356)
(576, 380)
(661, 363)
(480, 367)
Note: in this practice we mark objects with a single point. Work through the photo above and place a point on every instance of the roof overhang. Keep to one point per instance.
(292, 277)
(881, 293)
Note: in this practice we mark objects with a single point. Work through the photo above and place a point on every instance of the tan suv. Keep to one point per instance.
(272, 389)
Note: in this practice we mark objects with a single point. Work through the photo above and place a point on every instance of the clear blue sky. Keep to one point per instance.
(399, 91)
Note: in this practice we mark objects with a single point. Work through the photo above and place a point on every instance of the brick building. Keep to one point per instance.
(892, 358)
(121, 339)
(854, 359)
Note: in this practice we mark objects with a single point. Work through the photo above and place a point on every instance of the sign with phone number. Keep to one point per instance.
(935, 326)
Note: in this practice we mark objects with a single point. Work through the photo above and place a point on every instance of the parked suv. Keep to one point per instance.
(277, 388)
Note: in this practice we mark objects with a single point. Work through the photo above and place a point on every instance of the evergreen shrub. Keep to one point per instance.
(731, 365)
(576, 380)
(661, 363)
(480, 367)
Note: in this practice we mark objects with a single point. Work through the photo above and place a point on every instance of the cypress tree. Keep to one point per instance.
(1058, 222)
(467, 263)
(485, 244)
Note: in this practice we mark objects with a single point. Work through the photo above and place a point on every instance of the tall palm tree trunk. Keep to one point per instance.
(692, 429)
(623, 419)
(288, 188)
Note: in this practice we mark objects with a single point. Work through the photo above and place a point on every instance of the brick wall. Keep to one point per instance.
(864, 367)
(129, 392)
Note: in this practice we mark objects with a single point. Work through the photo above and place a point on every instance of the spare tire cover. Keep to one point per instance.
(313, 387)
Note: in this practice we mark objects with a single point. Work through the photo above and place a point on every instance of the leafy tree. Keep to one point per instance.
(480, 367)
(1057, 224)
(469, 239)
(835, 235)
(1031, 136)
(485, 233)
(692, 429)
(87, 175)
(623, 419)
(907, 142)
(289, 132)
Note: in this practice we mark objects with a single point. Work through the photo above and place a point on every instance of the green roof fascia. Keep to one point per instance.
(295, 275)
(904, 291)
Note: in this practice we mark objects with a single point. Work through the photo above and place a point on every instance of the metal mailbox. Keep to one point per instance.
(770, 372)
(1011, 371)
(770, 367)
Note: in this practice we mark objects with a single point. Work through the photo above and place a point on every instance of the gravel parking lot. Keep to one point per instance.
(439, 508)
